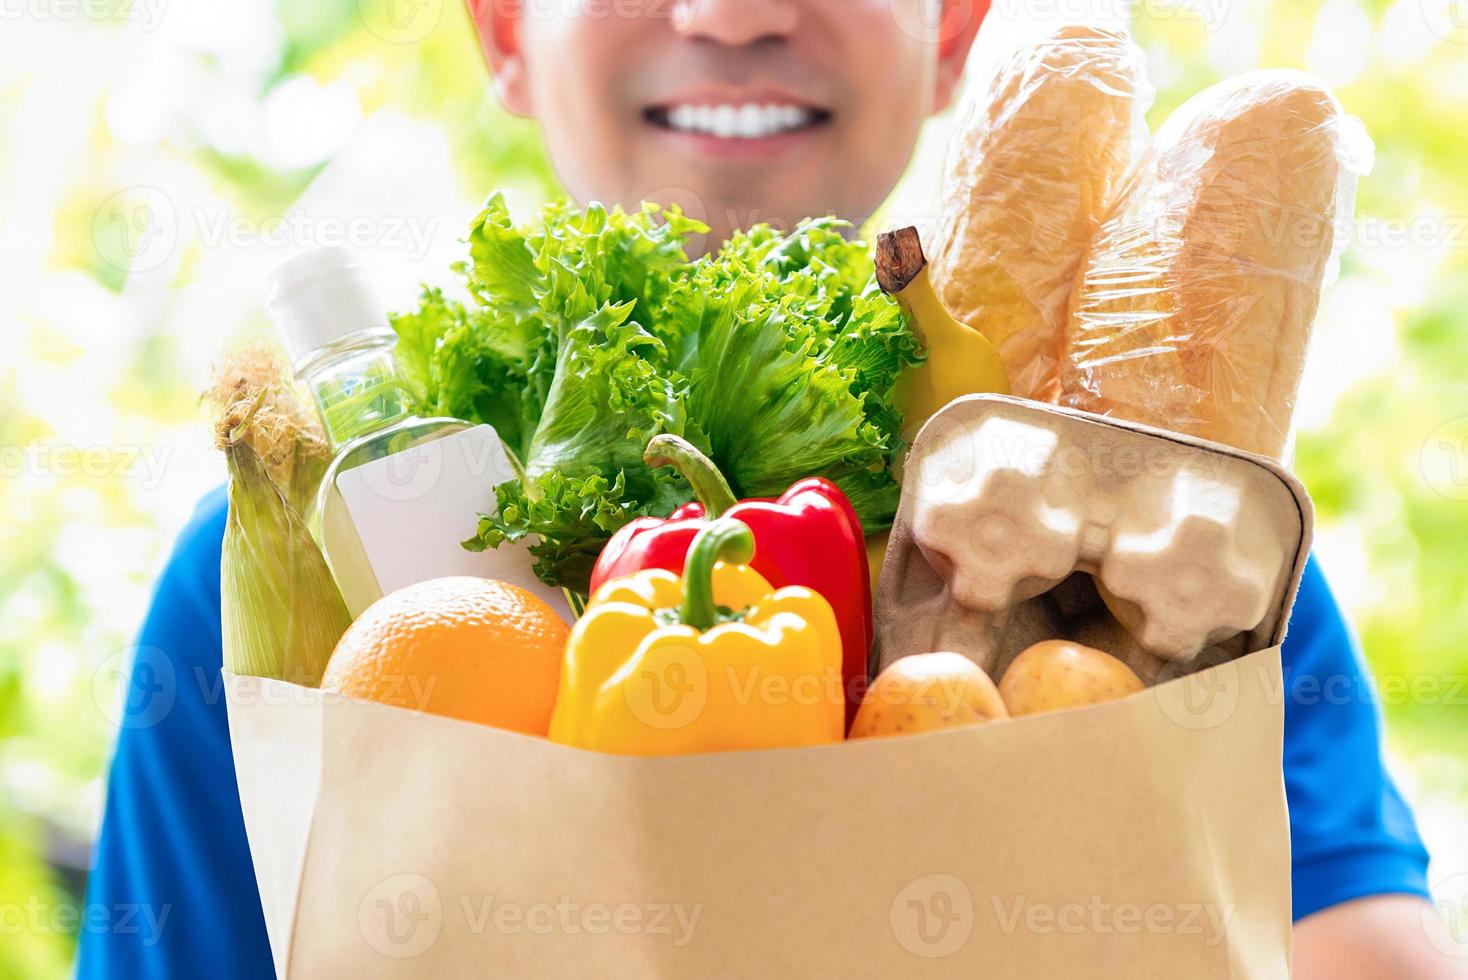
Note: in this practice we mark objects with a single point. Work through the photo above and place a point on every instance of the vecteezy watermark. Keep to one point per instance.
(419, 471)
(1439, 690)
(1208, 697)
(135, 687)
(400, 21)
(588, 9)
(673, 693)
(1209, 694)
(411, 692)
(673, 922)
(138, 229)
(135, 229)
(402, 916)
(1211, 14)
(933, 21)
(1444, 459)
(148, 14)
(37, 917)
(960, 455)
(297, 228)
(669, 687)
(144, 463)
(933, 916)
(1446, 920)
(410, 21)
(1098, 917)
(1448, 19)
(1427, 231)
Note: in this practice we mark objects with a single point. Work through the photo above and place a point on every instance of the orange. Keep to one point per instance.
(462, 647)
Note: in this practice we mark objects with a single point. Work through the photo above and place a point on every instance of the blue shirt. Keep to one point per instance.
(173, 840)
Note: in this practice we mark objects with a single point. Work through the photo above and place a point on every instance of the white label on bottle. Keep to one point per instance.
(414, 509)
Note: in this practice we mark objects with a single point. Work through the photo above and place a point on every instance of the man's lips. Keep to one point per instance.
(736, 118)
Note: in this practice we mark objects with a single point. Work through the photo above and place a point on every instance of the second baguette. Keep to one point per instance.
(1199, 296)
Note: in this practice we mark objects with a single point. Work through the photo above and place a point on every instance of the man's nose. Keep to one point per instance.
(735, 22)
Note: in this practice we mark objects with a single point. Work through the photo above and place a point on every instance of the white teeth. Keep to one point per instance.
(749, 121)
(724, 121)
(746, 121)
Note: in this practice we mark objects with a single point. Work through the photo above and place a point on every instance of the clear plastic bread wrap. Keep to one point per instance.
(1197, 299)
(1036, 156)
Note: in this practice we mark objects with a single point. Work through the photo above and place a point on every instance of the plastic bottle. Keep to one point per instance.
(342, 349)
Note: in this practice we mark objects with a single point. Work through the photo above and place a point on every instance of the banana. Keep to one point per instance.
(961, 361)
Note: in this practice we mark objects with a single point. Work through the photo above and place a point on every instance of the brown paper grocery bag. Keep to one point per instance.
(1145, 838)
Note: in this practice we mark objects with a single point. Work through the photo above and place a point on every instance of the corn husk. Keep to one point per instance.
(280, 608)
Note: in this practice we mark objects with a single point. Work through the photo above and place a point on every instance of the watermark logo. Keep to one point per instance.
(407, 475)
(1099, 917)
(1448, 19)
(300, 229)
(1445, 921)
(933, 916)
(669, 689)
(142, 923)
(401, 916)
(135, 687)
(454, 459)
(1208, 696)
(932, 21)
(60, 461)
(690, 204)
(400, 21)
(676, 922)
(147, 14)
(1212, 15)
(135, 229)
(1444, 459)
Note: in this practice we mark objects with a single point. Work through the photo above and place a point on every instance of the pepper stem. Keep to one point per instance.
(708, 484)
(726, 538)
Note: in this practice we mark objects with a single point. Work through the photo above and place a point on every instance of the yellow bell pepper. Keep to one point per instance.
(711, 661)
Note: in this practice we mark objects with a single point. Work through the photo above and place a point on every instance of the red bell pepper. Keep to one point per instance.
(809, 536)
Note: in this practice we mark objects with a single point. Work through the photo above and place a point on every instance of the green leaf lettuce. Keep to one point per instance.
(590, 332)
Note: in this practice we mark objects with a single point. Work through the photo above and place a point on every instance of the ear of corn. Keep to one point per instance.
(281, 611)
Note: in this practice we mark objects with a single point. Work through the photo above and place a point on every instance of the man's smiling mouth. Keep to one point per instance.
(728, 120)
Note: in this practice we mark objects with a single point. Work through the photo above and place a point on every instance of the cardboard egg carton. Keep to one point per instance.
(1023, 522)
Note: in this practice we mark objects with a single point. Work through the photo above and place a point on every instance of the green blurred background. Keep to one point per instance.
(156, 157)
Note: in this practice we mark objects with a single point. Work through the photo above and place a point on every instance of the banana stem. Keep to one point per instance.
(899, 259)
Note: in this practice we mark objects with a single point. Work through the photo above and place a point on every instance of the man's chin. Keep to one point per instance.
(779, 200)
(727, 215)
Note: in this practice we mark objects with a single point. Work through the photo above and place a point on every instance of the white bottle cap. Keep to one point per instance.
(321, 296)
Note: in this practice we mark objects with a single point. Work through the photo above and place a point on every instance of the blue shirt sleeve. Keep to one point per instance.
(172, 865)
(1351, 833)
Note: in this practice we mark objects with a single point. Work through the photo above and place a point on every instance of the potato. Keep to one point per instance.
(1055, 674)
(927, 692)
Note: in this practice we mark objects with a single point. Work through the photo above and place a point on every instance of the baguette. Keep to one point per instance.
(1197, 300)
(1035, 159)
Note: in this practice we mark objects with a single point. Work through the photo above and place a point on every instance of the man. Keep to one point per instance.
(741, 110)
